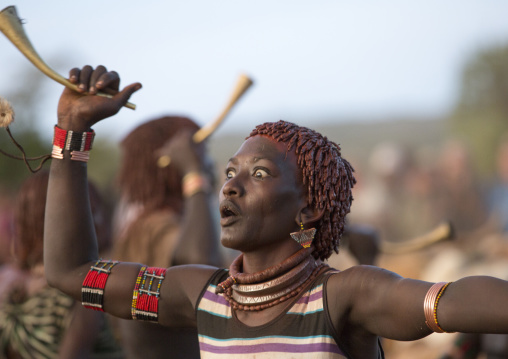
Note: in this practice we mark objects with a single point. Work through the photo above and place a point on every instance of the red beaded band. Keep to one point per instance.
(135, 293)
(92, 291)
(145, 301)
(430, 306)
(78, 143)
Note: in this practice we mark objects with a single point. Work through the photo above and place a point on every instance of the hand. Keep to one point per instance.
(79, 112)
(186, 155)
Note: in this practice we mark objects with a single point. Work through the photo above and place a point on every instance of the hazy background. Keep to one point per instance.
(320, 61)
(415, 92)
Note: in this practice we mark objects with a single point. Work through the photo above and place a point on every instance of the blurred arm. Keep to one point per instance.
(197, 240)
(363, 243)
(79, 340)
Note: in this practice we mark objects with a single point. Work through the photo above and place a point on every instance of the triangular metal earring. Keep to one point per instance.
(305, 236)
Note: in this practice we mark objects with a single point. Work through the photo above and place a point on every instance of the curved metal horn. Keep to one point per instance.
(11, 26)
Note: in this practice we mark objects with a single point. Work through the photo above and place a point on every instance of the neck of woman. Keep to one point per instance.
(256, 261)
(271, 286)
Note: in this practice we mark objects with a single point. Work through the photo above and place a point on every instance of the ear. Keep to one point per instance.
(310, 215)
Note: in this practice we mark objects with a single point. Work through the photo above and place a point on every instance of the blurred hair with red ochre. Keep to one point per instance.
(140, 179)
(327, 176)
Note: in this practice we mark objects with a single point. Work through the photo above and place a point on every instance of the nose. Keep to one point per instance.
(233, 187)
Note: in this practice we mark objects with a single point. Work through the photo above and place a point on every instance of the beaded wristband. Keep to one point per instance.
(92, 291)
(194, 182)
(78, 143)
(430, 306)
(135, 293)
(145, 301)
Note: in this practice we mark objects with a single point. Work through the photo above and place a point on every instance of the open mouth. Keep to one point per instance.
(229, 212)
(228, 209)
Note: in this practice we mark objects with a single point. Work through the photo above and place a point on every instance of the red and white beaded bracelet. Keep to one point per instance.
(92, 290)
(145, 299)
(78, 143)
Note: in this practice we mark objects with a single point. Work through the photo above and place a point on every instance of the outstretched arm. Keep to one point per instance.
(384, 304)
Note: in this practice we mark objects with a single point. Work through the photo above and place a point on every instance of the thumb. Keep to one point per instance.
(123, 96)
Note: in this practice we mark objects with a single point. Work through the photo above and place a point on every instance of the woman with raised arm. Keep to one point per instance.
(283, 205)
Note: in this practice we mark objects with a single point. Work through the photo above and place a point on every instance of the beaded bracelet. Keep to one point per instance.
(92, 291)
(78, 143)
(145, 301)
(194, 182)
(430, 306)
(135, 293)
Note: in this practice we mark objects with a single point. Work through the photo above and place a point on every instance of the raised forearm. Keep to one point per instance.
(198, 236)
(69, 235)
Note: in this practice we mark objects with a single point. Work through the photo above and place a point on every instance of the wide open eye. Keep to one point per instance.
(260, 173)
(230, 173)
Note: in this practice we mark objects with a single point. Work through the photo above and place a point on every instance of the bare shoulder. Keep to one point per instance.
(363, 273)
(180, 291)
(357, 282)
(191, 278)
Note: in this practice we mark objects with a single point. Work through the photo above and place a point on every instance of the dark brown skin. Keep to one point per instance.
(265, 190)
(80, 113)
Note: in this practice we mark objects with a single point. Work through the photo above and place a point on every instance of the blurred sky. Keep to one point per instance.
(309, 59)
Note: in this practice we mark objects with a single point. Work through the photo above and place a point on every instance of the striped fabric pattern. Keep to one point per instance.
(302, 332)
(33, 329)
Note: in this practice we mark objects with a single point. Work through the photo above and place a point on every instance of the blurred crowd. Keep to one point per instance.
(405, 193)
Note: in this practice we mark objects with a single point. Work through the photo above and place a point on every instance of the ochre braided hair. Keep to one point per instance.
(140, 179)
(327, 176)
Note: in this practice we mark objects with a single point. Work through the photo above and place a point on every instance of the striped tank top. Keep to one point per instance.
(303, 332)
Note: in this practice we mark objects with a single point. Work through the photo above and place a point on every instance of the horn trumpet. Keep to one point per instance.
(11, 26)
(242, 85)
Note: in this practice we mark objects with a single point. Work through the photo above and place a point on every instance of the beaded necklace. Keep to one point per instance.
(274, 285)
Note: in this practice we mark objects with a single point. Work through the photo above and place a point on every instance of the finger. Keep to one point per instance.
(123, 96)
(84, 78)
(108, 81)
(74, 75)
(109, 91)
(96, 74)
